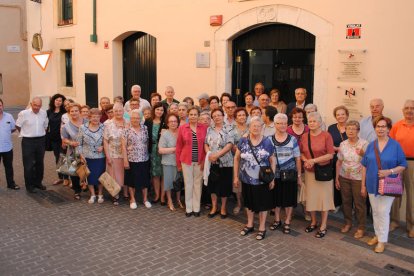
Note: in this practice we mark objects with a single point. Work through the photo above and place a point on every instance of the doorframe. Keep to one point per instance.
(263, 15)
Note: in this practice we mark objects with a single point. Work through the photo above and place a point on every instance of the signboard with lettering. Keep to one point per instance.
(352, 65)
(353, 99)
(353, 31)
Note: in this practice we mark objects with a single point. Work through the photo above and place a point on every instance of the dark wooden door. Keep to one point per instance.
(139, 64)
(279, 55)
(91, 89)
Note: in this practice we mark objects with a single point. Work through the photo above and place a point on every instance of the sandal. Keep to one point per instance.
(275, 225)
(77, 196)
(310, 228)
(261, 235)
(246, 230)
(286, 228)
(321, 233)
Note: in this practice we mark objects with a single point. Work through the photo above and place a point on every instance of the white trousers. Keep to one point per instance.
(192, 183)
(381, 208)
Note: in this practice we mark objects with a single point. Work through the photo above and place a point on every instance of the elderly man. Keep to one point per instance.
(136, 94)
(203, 102)
(264, 101)
(32, 124)
(229, 120)
(103, 102)
(169, 97)
(403, 132)
(367, 131)
(259, 89)
(300, 96)
(7, 127)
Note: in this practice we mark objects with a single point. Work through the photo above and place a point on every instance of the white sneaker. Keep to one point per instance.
(133, 205)
(147, 204)
(100, 199)
(92, 200)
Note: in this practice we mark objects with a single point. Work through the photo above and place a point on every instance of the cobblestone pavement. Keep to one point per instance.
(50, 234)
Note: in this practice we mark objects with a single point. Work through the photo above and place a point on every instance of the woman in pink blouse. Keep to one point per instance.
(190, 157)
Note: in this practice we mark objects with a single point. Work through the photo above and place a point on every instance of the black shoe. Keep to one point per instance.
(223, 216)
(41, 187)
(196, 214)
(163, 203)
(188, 214)
(31, 190)
(14, 187)
(212, 215)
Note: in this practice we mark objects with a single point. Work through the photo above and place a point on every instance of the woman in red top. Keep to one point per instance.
(319, 194)
(190, 157)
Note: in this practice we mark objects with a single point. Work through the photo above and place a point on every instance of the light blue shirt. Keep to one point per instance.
(7, 125)
(367, 131)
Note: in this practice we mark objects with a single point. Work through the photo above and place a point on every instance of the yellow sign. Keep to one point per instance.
(42, 59)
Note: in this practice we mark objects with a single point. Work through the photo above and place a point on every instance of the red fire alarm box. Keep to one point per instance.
(216, 20)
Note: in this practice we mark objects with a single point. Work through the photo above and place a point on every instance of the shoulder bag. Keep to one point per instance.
(68, 163)
(388, 186)
(322, 172)
(266, 174)
(285, 175)
(110, 184)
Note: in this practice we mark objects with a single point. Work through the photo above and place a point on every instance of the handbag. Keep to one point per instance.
(388, 186)
(68, 164)
(284, 175)
(266, 174)
(178, 183)
(83, 171)
(110, 184)
(322, 172)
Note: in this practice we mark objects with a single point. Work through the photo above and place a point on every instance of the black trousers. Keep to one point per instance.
(57, 150)
(33, 151)
(8, 167)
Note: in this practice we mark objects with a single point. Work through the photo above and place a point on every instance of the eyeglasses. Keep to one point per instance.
(378, 126)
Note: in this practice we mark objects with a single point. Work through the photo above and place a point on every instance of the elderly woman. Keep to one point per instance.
(135, 151)
(69, 137)
(190, 157)
(276, 102)
(54, 114)
(155, 98)
(90, 138)
(189, 101)
(214, 102)
(338, 133)
(85, 112)
(155, 125)
(249, 101)
(309, 108)
(224, 98)
(205, 118)
(113, 148)
(257, 196)
(109, 111)
(348, 178)
(393, 162)
(218, 145)
(241, 129)
(317, 148)
(173, 108)
(298, 127)
(255, 111)
(166, 147)
(182, 113)
(287, 178)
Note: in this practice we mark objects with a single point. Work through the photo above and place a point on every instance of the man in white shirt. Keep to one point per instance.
(258, 90)
(136, 94)
(367, 131)
(32, 124)
(7, 127)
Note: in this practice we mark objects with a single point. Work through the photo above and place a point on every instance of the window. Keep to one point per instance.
(65, 12)
(68, 68)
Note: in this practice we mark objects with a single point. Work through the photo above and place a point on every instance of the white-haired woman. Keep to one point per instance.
(257, 196)
(309, 108)
(317, 148)
(287, 178)
(113, 148)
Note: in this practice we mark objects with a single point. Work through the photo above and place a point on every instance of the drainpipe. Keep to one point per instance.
(94, 37)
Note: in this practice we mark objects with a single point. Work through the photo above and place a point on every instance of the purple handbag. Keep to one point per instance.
(388, 186)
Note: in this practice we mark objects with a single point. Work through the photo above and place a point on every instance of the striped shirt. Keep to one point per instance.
(194, 148)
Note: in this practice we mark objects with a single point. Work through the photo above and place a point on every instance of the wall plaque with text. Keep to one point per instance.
(352, 65)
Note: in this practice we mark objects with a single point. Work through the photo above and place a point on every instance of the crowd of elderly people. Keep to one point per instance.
(267, 154)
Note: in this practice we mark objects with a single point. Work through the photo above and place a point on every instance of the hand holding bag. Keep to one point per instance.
(388, 186)
(322, 172)
(266, 174)
(68, 164)
(110, 184)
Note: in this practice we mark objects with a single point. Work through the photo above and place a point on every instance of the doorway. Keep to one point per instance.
(139, 64)
(278, 55)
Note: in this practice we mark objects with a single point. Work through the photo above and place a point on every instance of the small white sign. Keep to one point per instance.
(13, 48)
(203, 60)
